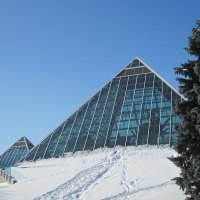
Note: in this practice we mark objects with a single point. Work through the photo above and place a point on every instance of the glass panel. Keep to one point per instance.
(18, 153)
(138, 70)
(143, 129)
(53, 142)
(29, 144)
(132, 112)
(120, 112)
(31, 155)
(106, 118)
(130, 72)
(64, 137)
(166, 109)
(155, 112)
(175, 120)
(164, 130)
(117, 111)
(140, 83)
(10, 158)
(136, 63)
(166, 95)
(129, 65)
(76, 128)
(4, 157)
(145, 70)
(86, 123)
(42, 148)
(154, 127)
(122, 73)
(95, 123)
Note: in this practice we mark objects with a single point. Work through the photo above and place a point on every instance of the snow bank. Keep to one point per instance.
(139, 173)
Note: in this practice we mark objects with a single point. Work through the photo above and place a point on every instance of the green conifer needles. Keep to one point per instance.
(188, 131)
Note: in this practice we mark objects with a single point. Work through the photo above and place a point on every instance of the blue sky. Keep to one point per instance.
(54, 55)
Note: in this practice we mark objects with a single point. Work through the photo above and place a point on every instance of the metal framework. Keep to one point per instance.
(134, 108)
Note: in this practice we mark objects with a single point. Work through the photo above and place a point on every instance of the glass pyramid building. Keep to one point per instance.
(19, 149)
(134, 108)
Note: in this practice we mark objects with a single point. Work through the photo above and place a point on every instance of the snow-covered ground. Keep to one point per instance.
(138, 173)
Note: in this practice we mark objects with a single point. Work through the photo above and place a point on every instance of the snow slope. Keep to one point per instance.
(138, 173)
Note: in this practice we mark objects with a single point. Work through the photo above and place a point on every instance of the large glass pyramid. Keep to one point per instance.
(19, 149)
(134, 108)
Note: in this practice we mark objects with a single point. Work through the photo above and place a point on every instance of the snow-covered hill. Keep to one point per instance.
(138, 173)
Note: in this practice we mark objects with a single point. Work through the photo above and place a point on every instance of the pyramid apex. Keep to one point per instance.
(135, 58)
(136, 62)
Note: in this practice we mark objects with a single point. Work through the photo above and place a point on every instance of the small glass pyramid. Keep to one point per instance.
(134, 108)
(11, 156)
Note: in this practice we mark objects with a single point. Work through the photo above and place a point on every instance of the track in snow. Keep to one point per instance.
(76, 187)
(126, 195)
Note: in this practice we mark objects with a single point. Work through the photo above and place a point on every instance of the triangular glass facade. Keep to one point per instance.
(19, 149)
(134, 108)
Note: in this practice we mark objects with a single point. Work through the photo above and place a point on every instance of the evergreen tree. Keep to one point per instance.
(188, 131)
